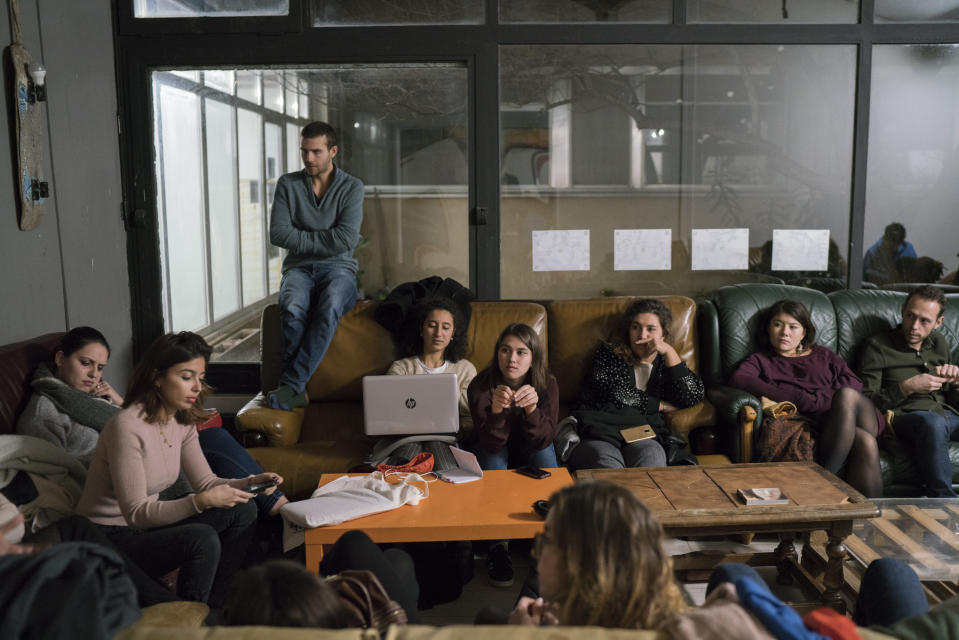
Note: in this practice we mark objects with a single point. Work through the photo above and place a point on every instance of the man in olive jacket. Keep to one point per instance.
(908, 370)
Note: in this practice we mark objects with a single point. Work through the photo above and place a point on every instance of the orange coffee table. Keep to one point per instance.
(497, 507)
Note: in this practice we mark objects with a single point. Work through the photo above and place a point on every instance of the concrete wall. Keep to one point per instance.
(72, 269)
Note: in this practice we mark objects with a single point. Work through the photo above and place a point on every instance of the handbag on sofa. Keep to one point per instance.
(367, 600)
(785, 434)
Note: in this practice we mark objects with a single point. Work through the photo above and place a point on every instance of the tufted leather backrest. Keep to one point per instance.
(737, 312)
(862, 313)
(577, 326)
(17, 362)
(491, 317)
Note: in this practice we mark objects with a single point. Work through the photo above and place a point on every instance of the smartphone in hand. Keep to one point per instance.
(534, 472)
(260, 487)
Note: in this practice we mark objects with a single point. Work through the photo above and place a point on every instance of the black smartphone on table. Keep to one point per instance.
(534, 472)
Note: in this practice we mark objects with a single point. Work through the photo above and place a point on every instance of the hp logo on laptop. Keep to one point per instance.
(410, 403)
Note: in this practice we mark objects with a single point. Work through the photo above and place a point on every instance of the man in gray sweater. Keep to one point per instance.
(316, 217)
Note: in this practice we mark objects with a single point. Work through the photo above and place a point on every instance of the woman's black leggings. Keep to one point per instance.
(393, 567)
(848, 436)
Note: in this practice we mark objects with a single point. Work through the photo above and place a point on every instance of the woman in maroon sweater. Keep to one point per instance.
(792, 367)
(514, 403)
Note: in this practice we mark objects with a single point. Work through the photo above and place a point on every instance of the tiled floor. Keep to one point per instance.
(478, 593)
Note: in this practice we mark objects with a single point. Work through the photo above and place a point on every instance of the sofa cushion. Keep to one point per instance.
(490, 318)
(740, 306)
(862, 313)
(17, 362)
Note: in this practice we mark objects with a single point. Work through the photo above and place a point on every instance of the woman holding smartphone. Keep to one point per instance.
(72, 402)
(142, 450)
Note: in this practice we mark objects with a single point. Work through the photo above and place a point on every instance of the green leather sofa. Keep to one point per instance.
(728, 322)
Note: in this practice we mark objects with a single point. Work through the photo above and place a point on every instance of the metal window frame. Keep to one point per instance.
(227, 42)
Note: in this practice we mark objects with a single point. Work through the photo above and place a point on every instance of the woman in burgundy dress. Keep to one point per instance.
(792, 367)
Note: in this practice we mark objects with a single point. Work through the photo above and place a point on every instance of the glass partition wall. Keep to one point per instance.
(538, 150)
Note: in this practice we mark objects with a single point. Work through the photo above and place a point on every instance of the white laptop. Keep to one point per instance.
(411, 405)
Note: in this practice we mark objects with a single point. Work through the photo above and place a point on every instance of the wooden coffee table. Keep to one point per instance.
(702, 501)
(497, 507)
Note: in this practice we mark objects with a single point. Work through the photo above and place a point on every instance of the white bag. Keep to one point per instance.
(347, 498)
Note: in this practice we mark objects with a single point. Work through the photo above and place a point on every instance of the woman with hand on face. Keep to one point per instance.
(141, 452)
(439, 347)
(72, 402)
(636, 378)
(792, 367)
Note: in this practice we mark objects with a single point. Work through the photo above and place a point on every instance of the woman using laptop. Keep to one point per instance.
(142, 450)
(514, 403)
(439, 347)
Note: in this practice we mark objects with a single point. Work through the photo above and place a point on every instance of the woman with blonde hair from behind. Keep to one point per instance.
(601, 562)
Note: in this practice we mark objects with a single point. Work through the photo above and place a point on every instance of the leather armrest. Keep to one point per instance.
(282, 428)
(730, 406)
(683, 421)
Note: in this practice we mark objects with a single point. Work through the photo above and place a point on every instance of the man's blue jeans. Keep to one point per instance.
(313, 298)
(929, 434)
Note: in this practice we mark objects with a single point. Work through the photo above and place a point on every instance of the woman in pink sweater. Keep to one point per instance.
(141, 452)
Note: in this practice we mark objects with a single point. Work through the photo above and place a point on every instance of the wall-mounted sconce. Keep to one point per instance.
(37, 91)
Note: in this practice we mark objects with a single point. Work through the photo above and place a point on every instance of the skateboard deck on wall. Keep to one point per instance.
(29, 123)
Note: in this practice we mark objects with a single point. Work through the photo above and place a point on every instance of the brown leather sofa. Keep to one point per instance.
(327, 436)
(17, 362)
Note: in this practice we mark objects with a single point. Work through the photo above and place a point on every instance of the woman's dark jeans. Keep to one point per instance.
(207, 548)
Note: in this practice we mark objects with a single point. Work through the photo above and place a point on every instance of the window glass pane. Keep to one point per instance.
(274, 157)
(222, 80)
(252, 238)
(352, 13)
(578, 11)
(248, 86)
(273, 90)
(292, 149)
(202, 8)
(182, 216)
(836, 11)
(913, 176)
(303, 98)
(917, 11)
(618, 145)
(401, 128)
(222, 196)
(189, 75)
(291, 86)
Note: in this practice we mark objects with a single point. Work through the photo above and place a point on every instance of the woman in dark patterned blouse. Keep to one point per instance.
(639, 369)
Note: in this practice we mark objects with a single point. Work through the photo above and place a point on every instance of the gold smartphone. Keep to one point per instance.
(642, 432)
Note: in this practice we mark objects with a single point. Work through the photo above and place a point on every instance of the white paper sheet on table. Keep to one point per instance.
(561, 250)
(720, 249)
(800, 249)
(642, 249)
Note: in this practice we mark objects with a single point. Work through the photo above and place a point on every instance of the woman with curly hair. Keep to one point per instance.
(438, 347)
(637, 378)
